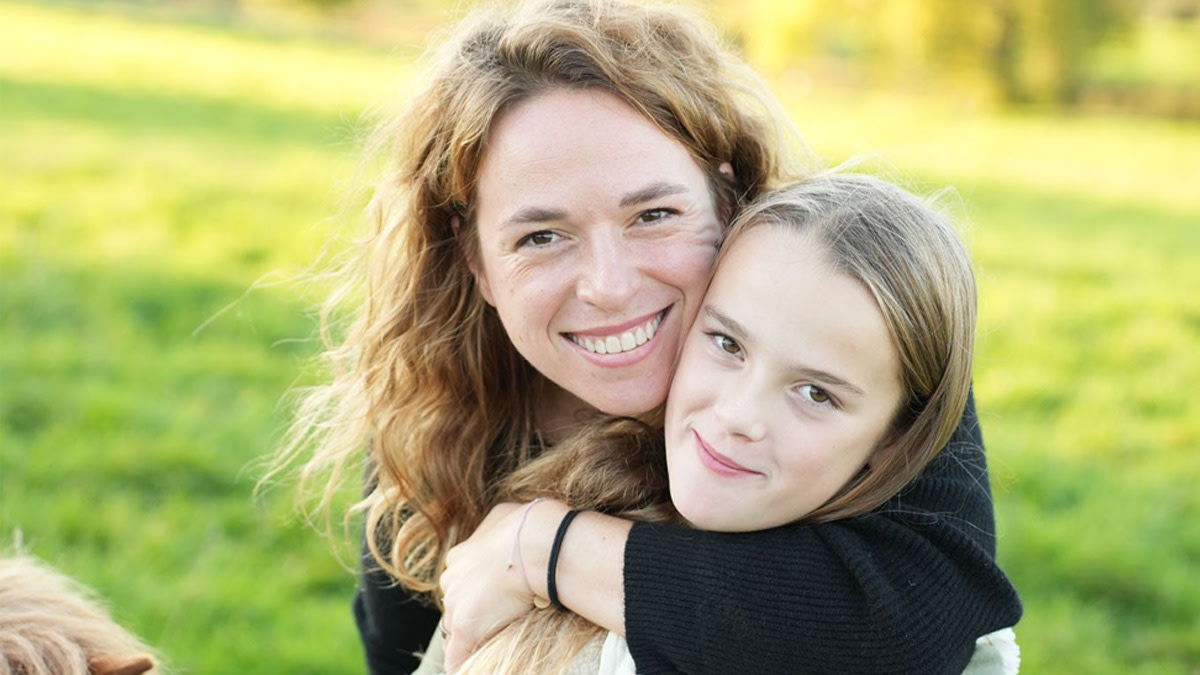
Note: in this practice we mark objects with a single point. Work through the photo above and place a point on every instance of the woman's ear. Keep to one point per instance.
(725, 211)
(470, 253)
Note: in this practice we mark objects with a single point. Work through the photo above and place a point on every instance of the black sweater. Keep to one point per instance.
(906, 589)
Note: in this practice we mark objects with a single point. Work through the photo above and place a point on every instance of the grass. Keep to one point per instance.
(151, 173)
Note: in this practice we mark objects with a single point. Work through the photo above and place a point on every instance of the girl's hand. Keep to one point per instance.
(481, 592)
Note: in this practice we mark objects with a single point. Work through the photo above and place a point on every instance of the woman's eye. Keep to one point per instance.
(655, 215)
(816, 394)
(726, 344)
(539, 238)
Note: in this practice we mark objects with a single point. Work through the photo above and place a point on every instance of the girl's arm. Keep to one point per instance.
(906, 589)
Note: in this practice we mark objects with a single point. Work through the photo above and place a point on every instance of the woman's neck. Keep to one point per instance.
(559, 412)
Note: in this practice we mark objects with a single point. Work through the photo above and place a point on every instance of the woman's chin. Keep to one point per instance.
(628, 402)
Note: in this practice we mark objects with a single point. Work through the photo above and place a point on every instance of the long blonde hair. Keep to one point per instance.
(914, 264)
(425, 374)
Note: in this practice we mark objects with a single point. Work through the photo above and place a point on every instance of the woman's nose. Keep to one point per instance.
(609, 274)
(740, 408)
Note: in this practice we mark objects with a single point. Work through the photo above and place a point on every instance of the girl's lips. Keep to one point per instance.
(718, 463)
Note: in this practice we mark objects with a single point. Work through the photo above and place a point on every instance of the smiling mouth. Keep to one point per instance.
(718, 463)
(621, 342)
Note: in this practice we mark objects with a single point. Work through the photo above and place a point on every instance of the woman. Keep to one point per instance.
(560, 184)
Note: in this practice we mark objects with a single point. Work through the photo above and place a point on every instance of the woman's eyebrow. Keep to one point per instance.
(541, 214)
(652, 192)
(534, 214)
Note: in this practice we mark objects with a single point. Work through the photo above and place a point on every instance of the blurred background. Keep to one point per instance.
(167, 168)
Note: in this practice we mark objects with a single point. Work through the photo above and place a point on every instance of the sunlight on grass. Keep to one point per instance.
(1101, 159)
(111, 52)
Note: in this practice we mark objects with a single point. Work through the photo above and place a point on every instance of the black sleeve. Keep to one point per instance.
(394, 625)
(905, 589)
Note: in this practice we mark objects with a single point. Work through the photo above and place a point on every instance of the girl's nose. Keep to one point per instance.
(740, 408)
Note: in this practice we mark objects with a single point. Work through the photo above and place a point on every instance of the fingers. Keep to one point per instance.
(460, 640)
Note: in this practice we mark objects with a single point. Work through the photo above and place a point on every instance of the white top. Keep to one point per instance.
(995, 654)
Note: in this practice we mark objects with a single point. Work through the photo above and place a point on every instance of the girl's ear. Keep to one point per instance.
(469, 252)
(881, 452)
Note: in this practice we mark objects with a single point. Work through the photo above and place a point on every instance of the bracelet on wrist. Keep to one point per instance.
(552, 566)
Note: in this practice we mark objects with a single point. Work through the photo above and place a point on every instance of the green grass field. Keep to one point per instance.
(151, 173)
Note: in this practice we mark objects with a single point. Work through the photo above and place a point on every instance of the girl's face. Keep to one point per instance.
(787, 384)
(596, 236)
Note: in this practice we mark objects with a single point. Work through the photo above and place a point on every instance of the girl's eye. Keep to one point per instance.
(816, 394)
(726, 344)
(655, 215)
(539, 238)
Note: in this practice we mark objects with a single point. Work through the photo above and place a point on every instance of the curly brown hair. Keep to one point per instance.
(425, 374)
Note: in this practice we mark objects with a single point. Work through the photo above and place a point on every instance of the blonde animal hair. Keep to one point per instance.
(911, 260)
(49, 625)
(426, 375)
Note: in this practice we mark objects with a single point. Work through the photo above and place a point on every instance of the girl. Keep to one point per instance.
(829, 364)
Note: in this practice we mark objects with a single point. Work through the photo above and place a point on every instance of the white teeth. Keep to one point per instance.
(615, 344)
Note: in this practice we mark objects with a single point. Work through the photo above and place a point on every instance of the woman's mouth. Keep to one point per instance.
(623, 341)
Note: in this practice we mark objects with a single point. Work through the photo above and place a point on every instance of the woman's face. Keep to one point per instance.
(596, 236)
(787, 383)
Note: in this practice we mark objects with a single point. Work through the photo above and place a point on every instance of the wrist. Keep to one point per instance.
(537, 537)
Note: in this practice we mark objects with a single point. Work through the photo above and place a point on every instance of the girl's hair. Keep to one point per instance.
(425, 374)
(913, 263)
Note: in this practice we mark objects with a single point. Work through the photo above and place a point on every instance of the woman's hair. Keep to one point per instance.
(425, 374)
(913, 263)
(50, 626)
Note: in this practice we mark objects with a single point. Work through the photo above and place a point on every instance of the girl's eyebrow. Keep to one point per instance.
(738, 331)
(731, 326)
